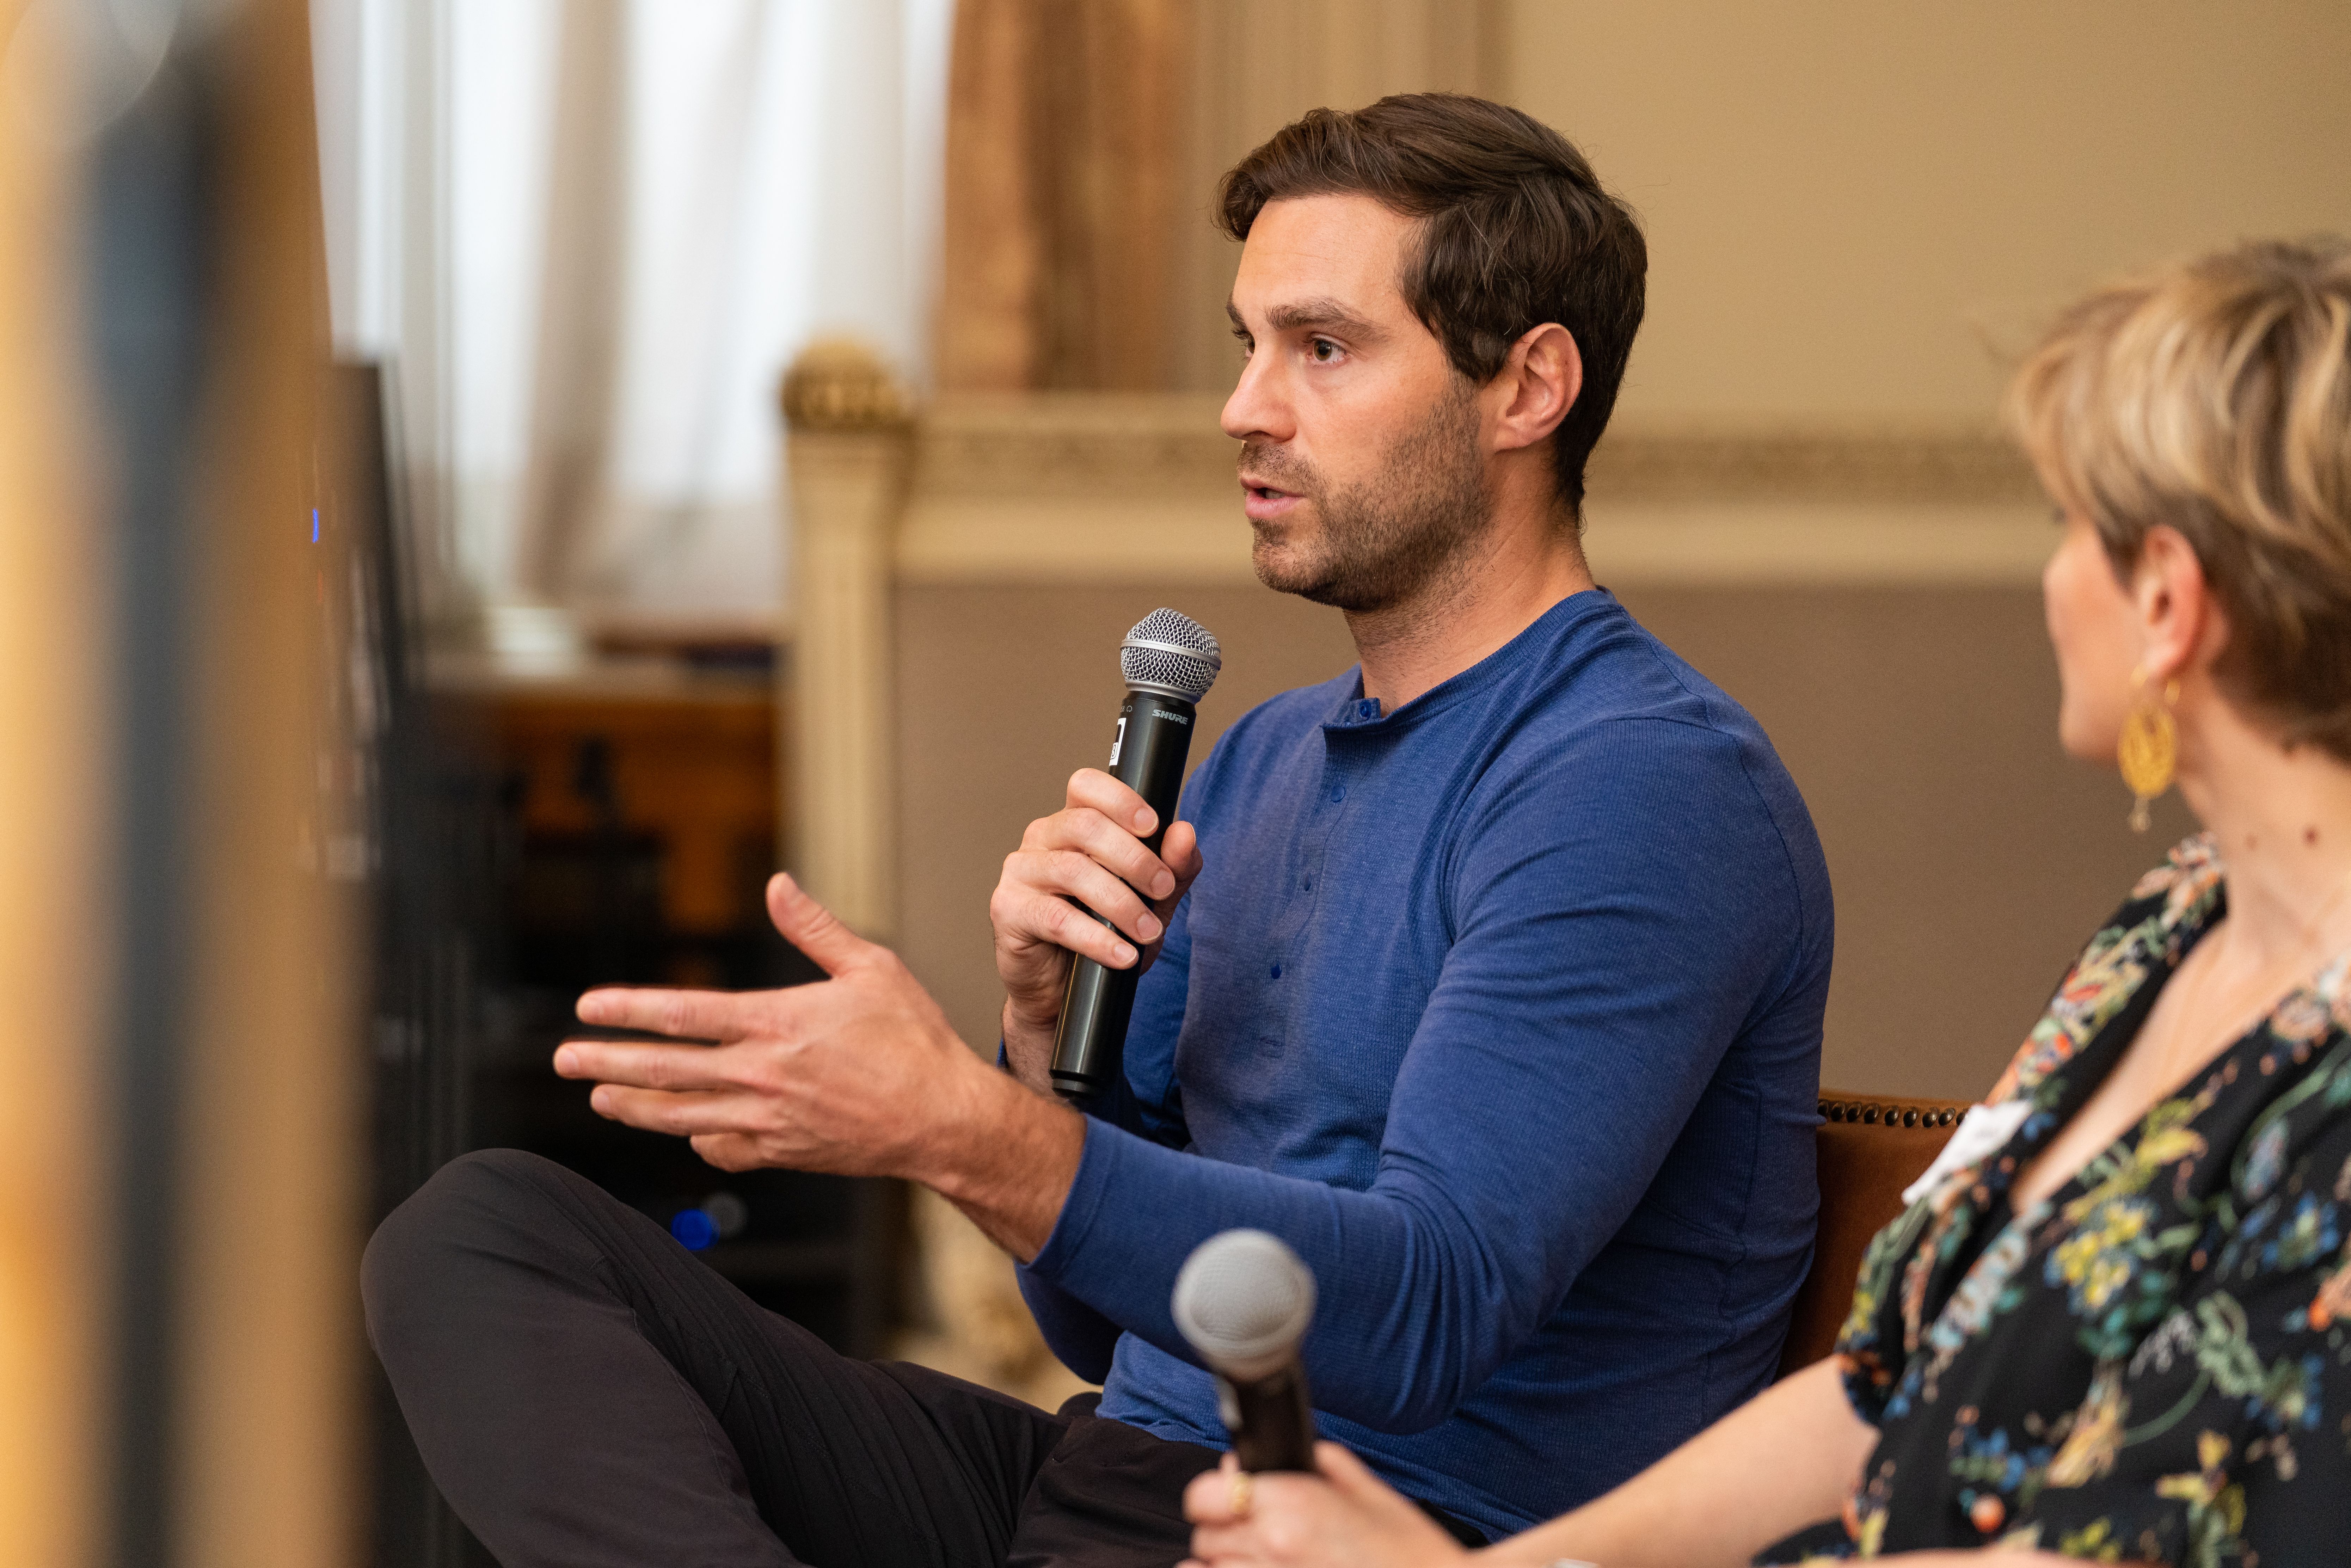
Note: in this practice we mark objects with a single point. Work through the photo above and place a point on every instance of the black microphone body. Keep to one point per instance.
(1154, 740)
(1272, 1423)
(1168, 662)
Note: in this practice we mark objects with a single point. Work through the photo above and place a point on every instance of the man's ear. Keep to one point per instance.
(1541, 381)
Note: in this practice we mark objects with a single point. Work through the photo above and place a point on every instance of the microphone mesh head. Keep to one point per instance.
(1170, 652)
(1243, 1299)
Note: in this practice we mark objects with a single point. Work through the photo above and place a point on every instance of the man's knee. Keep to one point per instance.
(468, 1212)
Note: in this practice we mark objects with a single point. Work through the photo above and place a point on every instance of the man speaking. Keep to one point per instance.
(1487, 976)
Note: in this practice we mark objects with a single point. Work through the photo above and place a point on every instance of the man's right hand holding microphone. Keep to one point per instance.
(1090, 851)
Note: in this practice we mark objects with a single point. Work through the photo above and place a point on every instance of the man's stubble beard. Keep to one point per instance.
(1385, 541)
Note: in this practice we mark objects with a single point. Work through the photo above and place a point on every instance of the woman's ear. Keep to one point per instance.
(1543, 376)
(2182, 627)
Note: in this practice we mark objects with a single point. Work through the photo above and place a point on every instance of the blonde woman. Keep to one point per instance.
(2116, 1324)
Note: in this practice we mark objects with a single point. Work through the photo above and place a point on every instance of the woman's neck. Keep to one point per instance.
(2283, 819)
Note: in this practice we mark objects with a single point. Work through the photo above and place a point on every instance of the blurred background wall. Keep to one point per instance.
(53, 809)
(354, 715)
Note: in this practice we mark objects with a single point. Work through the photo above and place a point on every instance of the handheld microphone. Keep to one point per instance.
(1169, 661)
(1244, 1301)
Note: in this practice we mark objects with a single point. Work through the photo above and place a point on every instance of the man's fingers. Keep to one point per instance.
(727, 1150)
(1032, 904)
(1066, 925)
(1100, 838)
(677, 1068)
(1071, 876)
(811, 927)
(1093, 787)
(685, 1015)
(1181, 851)
(680, 1115)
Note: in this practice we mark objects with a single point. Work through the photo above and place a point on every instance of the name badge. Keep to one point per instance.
(1981, 1132)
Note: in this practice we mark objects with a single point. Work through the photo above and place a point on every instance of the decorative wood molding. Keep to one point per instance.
(1133, 489)
(1110, 446)
(848, 461)
(840, 383)
(1696, 544)
(1068, 540)
(1057, 444)
(1926, 466)
(1818, 544)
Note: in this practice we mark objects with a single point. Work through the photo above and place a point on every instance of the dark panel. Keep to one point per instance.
(152, 225)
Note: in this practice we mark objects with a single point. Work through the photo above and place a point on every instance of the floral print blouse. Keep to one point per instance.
(2154, 1363)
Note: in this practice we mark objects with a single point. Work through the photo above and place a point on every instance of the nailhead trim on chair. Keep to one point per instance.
(1873, 1113)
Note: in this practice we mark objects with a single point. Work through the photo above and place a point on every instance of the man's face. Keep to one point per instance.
(1362, 465)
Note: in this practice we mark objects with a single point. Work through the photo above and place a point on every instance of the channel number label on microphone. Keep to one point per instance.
(1168, 662)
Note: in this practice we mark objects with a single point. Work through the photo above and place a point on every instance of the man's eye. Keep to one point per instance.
(1323, 349)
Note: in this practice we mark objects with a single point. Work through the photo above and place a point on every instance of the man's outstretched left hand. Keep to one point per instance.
(857, 1074)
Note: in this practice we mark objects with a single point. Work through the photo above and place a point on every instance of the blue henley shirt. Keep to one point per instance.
(1504, 1011)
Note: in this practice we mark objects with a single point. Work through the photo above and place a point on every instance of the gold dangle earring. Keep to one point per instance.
(2149, 753)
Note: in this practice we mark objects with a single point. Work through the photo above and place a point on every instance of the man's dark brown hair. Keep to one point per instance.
(1514, 231)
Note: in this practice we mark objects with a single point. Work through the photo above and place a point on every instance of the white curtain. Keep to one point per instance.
(590, 234)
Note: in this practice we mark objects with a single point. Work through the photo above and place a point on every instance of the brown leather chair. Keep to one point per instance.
(1869, 1148)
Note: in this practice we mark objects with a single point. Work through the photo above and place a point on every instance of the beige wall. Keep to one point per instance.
(1855, 208)
(1970, 857)
(1851, 205)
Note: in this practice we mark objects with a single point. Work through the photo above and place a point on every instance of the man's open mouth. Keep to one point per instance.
(1264, 503)
(1256, 487)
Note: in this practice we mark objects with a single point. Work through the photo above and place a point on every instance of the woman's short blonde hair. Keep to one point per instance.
(2214, 397)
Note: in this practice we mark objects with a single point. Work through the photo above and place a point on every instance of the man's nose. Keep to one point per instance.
(1256, 407)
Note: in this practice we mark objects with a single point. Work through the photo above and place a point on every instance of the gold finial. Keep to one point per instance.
(840, 383)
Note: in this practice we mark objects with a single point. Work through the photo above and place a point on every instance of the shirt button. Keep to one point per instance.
(1277, 971)
(1338, 793)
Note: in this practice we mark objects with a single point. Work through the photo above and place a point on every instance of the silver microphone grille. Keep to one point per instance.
(1243, 1299)
(1170, 652)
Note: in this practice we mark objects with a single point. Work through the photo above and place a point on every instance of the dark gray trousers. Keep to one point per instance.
(587, 1394)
